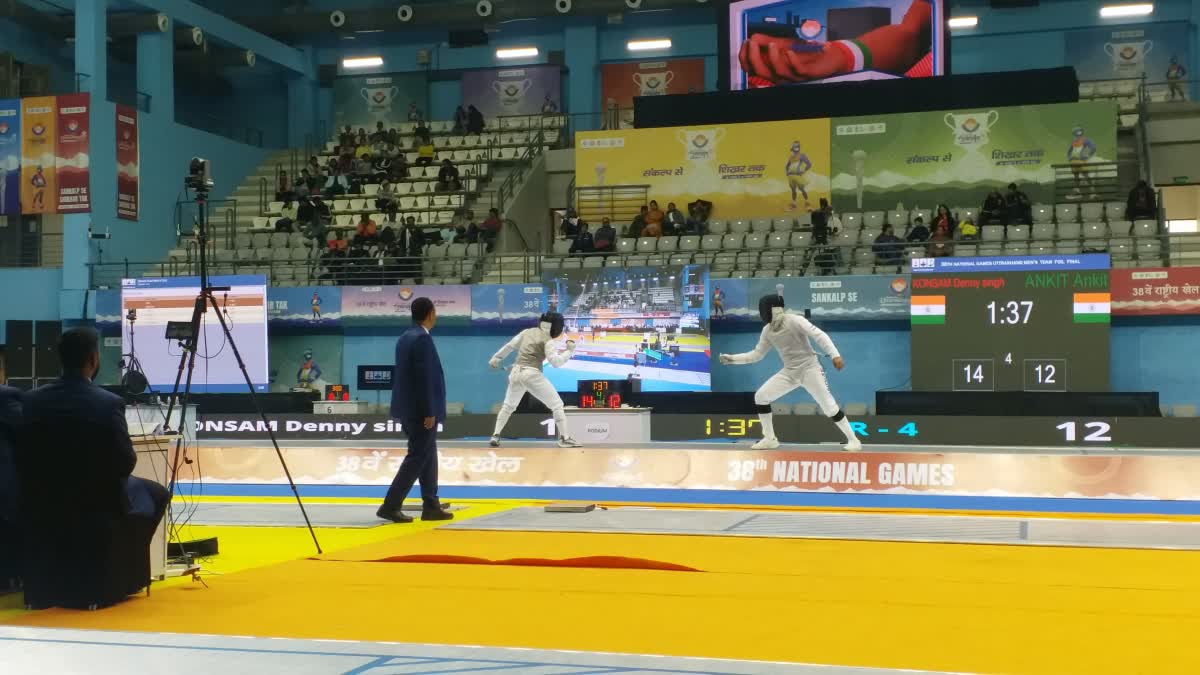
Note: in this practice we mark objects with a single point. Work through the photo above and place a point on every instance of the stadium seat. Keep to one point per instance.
(1066, 213)
(1041, 231)
(647, 244)
(1015, 247)
(717, 227)
(371, 189)
(680, 259)
(845, 238)
(279, 240)
(281, 255)
(719, 274)
(778, 240)
(852, 221)
(1148, 250)
(864, 256)
(724, 261)
(703, 258)
(1095, 245)
(965, 212)
(572, 263)
(262, 240)
(456, 251)
(243, 240)
(561, 247)
(593, 262)
(1144, 228)
(273, 208)
(991, 248)
(922, 213)
(770, 259)
(763, 274)
(732, 241)
(710, 242)
(1121, 248)
(1043, 213)
(1114, 211)
(1018, 233)
(299, 254)
(1069, 231)
(739, 226)
(992, 232)
(259, 223)
(549, 263)
(801, 239)
(862, 270)
(966, 249)
(741, 274)
(668, 244)
(1091, 211)
(1068, 248)
(755, 240)
(1040, 248)
(784, 224)
(747, 260)
(898, 219)
(689, 243)
(1095, 230)
(761, 225)
(804, 219)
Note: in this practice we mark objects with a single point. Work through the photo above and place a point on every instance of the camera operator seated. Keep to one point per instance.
(88, 521)
(448, 177)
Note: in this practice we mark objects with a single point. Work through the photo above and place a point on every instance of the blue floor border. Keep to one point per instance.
(738, 497)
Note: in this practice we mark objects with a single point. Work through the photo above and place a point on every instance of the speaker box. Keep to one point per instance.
(18, 352)
(47, 332)
(326, 74)
(467, 38)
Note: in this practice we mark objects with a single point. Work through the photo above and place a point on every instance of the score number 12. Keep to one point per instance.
(1097, 432)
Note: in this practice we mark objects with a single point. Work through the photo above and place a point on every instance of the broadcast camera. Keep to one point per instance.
(199, 175)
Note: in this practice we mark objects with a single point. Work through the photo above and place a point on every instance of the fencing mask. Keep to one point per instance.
(769, 307)
(551, 323)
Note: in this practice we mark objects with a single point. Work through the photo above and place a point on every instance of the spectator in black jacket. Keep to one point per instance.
(994, 211)
(605, 240)
(888, 247)
(583, 243)
(918, 233)
(1142, 204)
(474, 121)
(448, 177)
(1020, 209)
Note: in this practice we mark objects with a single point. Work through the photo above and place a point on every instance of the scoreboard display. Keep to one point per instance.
(1032, 323)
(603, 393)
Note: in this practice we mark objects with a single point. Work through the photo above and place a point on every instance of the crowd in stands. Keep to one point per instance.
(651, 221)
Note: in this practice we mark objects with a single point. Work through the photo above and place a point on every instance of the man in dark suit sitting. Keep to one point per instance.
(74, 395)
(419, 402)
(10, 419)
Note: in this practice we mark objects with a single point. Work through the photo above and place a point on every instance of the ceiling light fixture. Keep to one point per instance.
(1114, 11)
(363, 62)
(648, 45)
(963, 21)
(516, 52)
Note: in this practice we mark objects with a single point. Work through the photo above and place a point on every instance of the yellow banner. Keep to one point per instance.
(39, 117)
(763, 169)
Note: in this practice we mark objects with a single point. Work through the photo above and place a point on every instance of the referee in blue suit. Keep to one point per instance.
(419, 402)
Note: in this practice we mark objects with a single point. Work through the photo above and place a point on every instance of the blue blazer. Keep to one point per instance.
(79, 397)
(10, 419)
(418, 384)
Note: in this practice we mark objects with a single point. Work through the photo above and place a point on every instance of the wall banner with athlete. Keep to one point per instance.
(956, 157)
(834, 298)
(10, 156)
(763, 169)
(304, 307)
(39, 187)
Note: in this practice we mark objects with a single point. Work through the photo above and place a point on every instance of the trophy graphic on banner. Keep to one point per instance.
(511, 93)
(1128, 58)
(379, 101)
(700, 145)
(971, 129)
(860, 168)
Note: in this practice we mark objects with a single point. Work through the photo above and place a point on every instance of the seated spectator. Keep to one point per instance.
(332, 165)
(425, 152)
(381, 168)
(654, 215)
(941, 244)
(918, 233)
(378, 149)
(460, 121)
(943, 218)
(287, 217)
(366, 231)
(967, 230)
(10, 425)
(283, 187)
(569, 227)
(400, 167)
(336, 184)
(639, 223)
(422, 132)
(361, 137)
(414, 237)
(994, 212)
(448, 234)
(583, 243)
(490, 228)
(393, 136)
(414, 113)
(317, 223)
(888, 248)
(549, 107)
(346, 137)
(1019, 208)
(363, 168)
(448, 178)
(362, 149)
(104, 505)
(605, 240)
(673, 220)
(380, 134)
(307, 184)
(697, 222)
(820, 222)
(474, 121)
(314, 166)
(387, 199)
(391, 151)
(1142, 203)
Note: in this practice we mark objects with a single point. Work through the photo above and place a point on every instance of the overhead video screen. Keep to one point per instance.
(647, 325)
(786, 42)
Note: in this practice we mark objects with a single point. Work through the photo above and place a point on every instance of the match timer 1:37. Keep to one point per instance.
(1044, 330)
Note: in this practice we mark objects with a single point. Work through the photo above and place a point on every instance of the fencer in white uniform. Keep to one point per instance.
(533, 346)
(793, 337)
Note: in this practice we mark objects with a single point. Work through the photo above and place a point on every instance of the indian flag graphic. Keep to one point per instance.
(928, 310)
(1092, 307)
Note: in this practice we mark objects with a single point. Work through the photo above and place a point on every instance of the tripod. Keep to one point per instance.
(187, 358)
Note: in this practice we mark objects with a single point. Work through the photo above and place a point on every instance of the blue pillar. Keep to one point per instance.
(156, 73)
(582, 47)
(91, 64)
(302, 105)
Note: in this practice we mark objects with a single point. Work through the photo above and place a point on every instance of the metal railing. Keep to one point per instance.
(618, 203)
(29, 248)
(222, 220)
(838, 257)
